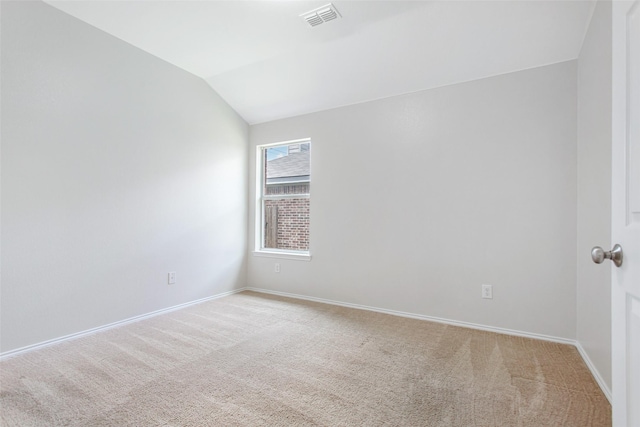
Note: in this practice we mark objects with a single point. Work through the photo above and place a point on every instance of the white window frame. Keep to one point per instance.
(259, 250)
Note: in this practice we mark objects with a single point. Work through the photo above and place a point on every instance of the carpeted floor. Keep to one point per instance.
(256, 360)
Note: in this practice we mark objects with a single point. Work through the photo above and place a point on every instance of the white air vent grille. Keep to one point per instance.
(322, 14)
(313, 19)
(327, 14)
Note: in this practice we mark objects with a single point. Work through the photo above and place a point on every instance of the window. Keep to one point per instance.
(283, 187)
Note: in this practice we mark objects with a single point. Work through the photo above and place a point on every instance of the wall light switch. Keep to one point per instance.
(172, 277)
(276, 267)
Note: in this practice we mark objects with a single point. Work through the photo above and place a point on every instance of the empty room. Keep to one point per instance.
(302, 213)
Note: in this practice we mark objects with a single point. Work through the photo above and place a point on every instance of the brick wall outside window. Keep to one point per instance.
(292, 227)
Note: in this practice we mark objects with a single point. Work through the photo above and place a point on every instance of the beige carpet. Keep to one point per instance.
(257, 360)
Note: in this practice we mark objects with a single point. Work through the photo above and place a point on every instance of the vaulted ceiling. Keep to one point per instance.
(268, 63)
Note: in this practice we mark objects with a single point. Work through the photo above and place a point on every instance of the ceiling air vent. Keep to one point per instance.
(322, 14)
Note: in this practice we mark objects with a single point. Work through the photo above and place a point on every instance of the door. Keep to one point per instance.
(625, 227)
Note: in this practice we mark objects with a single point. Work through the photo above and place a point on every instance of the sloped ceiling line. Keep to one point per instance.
(267, 63)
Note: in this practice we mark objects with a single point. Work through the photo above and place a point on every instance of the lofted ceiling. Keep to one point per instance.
(268, 63)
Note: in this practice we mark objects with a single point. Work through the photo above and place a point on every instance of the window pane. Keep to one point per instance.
(287, 224)
(287, 169)
(286, 220)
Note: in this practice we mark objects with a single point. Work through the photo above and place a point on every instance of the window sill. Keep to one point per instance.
(283, 255)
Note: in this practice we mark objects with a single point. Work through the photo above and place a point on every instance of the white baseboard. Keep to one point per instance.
(420, 317)
(47, 343)
(594, 371)
(581, 351)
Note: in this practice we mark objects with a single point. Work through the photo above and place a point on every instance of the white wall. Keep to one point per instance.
(594, 190)
(117, 168)
(419, 199)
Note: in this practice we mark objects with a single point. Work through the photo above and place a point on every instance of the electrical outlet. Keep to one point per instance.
(487, 291)
(172, 277)
(276, 267)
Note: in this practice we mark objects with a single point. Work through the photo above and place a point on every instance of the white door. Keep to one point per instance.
(625, 297)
